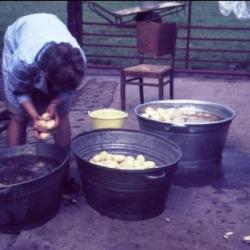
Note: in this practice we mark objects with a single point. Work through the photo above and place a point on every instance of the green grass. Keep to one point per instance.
(11, 10)
(203, 13)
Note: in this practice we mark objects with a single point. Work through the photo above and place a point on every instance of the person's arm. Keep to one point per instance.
(30, 108)
(52, 108)
(21, 80)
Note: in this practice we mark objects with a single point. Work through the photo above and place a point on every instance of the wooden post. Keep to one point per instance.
(188, 34)
(74, 10)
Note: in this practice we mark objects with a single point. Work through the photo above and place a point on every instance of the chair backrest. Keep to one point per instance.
(156, 39)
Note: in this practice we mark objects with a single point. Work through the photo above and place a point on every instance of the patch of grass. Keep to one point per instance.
(11, 10)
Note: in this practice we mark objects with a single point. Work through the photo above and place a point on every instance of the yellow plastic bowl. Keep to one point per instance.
(107, 118)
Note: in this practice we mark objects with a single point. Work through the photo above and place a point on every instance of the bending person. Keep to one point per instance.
(42, 65)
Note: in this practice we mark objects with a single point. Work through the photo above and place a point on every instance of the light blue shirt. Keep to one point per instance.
(23, 40)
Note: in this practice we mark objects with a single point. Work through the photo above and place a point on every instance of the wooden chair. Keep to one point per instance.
(155, 39)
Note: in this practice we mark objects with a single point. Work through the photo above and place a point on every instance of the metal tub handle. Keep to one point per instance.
(175, 127)
(155, 177)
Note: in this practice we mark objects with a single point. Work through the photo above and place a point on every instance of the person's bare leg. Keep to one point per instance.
(62, 134)
(62, 138)
(16, 133)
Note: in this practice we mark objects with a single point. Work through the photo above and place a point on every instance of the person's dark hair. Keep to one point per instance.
(63, 65)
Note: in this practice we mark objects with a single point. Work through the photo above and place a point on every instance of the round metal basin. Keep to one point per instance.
(201, 143)
(121, 193)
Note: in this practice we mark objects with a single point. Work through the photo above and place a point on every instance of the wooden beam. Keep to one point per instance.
(188, 34)
(74, 11)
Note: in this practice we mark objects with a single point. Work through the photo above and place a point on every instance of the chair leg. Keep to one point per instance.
(161, 88)
(123, 91)
(141, 89)
(171, 85)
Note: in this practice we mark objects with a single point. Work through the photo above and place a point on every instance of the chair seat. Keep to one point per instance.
(146, 70)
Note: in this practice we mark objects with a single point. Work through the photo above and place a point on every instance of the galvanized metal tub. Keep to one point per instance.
(121, 193)
(201, 144)
(32, 203)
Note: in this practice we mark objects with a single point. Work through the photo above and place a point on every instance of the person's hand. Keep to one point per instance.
(53, 113)
(37, 124)
(38, 129)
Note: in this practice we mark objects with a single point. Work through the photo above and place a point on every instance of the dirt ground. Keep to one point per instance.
(196, 217)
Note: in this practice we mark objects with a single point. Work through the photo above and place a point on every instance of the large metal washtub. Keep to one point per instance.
(201, 144)
(120, 193)
(32, 203)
